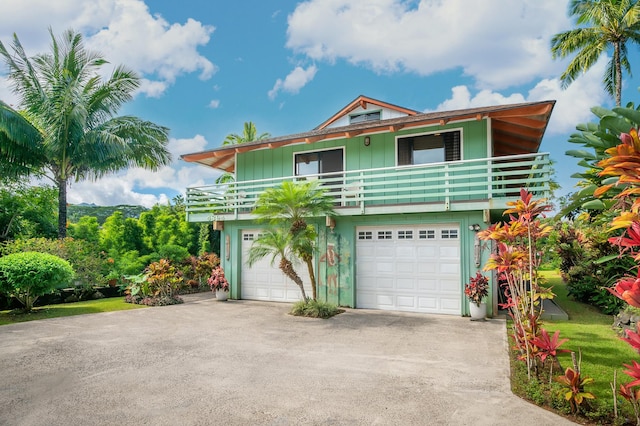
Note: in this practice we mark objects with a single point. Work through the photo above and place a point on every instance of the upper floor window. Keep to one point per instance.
(432, 148)
(318, 162)
(365, 116)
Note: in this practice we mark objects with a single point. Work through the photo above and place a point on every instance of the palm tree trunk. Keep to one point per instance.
(287, 268)
(618, 71)
(312, 277)
(62, 208)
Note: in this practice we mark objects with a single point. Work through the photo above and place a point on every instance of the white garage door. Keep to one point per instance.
(263, 281)
(409, 268)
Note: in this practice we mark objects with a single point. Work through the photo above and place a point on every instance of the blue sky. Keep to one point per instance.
(208, 67)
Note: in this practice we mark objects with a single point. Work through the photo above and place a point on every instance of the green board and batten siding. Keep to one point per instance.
(269, 163)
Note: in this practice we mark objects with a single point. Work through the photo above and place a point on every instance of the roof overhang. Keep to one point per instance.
(515, 129)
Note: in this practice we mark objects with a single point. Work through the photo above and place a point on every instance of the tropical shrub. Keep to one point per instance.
(28, 275)
(315, 309)
(90, 265)
(200, 267)
(582, 248)
(173, 252)
(157, 286)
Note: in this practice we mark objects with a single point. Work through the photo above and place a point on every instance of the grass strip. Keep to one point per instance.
(111, 304)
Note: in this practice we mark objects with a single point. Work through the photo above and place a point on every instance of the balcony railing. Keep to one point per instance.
(486, 183)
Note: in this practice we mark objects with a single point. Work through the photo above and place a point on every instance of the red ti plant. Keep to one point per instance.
(516, 261)
(548, 345)
(633, 396)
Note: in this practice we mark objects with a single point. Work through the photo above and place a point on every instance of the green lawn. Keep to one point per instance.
(591, 332)
(68, 309)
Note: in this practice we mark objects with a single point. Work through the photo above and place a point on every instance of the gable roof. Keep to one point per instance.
(515, 129)
(363, 101)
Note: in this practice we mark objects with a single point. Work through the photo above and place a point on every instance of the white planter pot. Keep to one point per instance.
(478, 313)
(222, 295)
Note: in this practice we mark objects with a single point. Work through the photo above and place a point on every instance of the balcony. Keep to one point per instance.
(479, 184)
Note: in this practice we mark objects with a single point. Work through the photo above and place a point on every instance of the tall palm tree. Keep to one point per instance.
(249, 134)
(291, 204)
(65, 124)
(275, 242)
(602, 25)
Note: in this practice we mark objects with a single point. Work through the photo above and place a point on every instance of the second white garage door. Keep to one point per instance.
(409, 268)
(263, 281)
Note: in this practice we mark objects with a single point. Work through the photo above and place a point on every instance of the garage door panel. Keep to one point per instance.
(384, 300)
(428, 304)
(406, 284)
(426, 285)
(386, 283)
(409, 268)
(450, 252)
(406, 302)
(384, 267)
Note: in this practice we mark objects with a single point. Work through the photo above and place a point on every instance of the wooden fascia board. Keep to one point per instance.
(525, 111)
(362, 102)
(195, 157)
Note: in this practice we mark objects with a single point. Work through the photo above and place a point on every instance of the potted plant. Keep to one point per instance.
(476, 290)
(219, 283)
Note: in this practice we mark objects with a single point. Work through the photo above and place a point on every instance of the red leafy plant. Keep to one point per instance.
(516, 261)
(477, 288)
(217, 280)
(574, 384)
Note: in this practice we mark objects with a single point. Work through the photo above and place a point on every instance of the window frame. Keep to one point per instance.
(314, 151)
(434, 132)
(365, 112)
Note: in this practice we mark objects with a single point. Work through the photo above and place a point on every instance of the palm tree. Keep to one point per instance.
(249, 134)
(291, 204)
(603, 25)
(66, 124)
(275, 242)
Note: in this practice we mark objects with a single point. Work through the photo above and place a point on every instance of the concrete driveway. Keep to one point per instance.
(245, 363)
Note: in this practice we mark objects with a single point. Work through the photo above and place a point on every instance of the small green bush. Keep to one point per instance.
(28, 275)
(173, 252)
(315, 309)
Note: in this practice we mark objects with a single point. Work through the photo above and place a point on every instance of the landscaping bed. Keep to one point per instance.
(592, 334)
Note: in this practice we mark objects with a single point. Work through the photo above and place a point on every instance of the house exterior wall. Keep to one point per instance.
(336, 271)
(269, 163)
(337, 277)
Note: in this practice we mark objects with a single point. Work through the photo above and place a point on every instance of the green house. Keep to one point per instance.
(412, 189)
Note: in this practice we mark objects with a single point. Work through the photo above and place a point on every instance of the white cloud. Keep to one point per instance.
(124, 31)
(296, 80)
(573, 105)
(497, 42)
(215, 103)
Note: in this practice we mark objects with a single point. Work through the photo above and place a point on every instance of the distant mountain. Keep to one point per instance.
(76, 211)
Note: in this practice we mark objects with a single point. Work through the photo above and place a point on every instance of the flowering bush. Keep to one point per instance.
(217, 280)
(477, 288)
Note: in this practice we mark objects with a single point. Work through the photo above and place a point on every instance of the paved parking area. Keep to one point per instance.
(249, 363)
